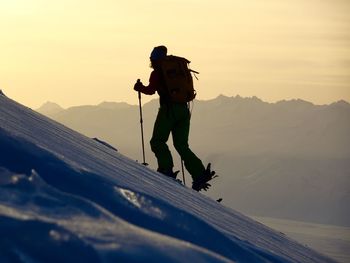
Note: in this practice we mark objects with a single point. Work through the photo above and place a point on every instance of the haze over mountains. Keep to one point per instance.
(289, 159)
(67, 198)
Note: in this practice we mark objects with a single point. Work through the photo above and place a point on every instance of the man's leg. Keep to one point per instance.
(161, 131)
(180, 134)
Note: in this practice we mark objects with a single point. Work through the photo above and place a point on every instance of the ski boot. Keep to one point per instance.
(201, 183)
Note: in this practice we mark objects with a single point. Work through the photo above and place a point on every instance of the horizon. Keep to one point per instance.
(83, 52)
(202, 100)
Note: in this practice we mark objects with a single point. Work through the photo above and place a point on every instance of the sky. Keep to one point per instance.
(76, 52)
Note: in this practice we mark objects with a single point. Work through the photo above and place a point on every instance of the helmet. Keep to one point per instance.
(158, 52)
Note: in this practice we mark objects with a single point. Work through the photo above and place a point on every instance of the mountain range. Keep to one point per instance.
(65, 197)
(289, 159)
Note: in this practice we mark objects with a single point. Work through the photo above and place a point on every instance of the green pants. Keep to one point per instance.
(174, 118)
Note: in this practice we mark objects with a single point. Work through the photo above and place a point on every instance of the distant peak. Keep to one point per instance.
(342, 103)
(255, 98)
(113, 105)
(295, 102)
(49, 108)
(237, 98)
(251, 99)
(222, 96)
(50, 103)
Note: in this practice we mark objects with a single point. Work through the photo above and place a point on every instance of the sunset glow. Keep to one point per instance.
(85, 52)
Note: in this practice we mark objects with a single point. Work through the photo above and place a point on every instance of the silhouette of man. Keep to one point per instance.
(172, 118)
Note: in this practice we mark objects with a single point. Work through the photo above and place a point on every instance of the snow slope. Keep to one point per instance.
(65, 198)
(289, 159)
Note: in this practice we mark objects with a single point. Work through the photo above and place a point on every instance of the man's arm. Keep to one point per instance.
(152, 86)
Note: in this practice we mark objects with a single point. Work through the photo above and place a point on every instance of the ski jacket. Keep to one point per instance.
(156, 84)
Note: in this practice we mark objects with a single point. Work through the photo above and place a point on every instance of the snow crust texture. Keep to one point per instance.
(68, 198)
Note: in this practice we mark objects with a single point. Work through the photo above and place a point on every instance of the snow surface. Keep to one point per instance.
(65, 197)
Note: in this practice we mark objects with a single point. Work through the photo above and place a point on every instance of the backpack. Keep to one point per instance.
(178, 79)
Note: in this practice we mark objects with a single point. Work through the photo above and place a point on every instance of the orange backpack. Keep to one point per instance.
(178, 79)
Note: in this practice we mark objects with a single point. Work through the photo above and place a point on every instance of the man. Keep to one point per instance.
(172, 118)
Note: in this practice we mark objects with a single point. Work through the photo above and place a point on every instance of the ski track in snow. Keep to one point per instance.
(65, 197)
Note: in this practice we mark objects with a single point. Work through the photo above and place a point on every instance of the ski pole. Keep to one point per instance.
(183, 172)
(141, 122)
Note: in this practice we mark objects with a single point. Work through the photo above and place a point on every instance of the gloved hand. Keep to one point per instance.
(138, 85)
